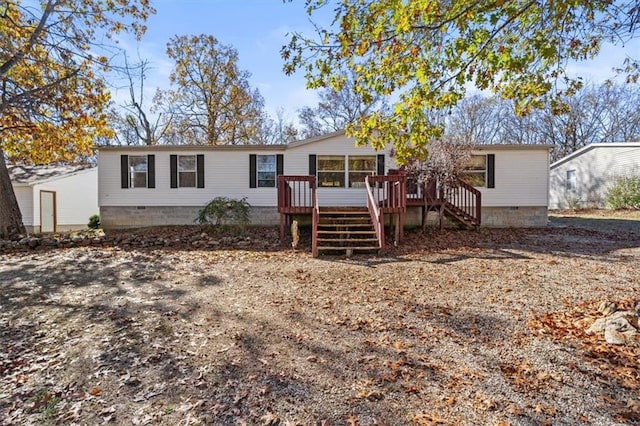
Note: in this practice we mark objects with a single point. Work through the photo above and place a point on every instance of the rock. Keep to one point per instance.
(614, 337)
(77, 239)
(629, 316)
(606, 308)
(637, 309)
(597, 327)
(49, 242)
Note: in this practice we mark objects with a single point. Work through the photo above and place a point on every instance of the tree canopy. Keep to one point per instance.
(212, 102)
(426, 53)
(52, 98)
(337, 109)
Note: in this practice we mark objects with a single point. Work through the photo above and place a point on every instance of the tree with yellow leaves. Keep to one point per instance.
(52, 100)
(427, 53)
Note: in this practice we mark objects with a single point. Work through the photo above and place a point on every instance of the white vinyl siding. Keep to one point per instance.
(76, 198)
(24, 195)
(521, 175)
(595, 166)
(521, 178)
(226, 174)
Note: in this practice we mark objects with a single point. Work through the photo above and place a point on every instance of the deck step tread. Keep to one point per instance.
(345, 212)
(348, 248)
(343, 225)
(349, 240)
(346, 232)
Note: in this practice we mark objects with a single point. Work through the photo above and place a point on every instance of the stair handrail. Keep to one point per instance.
(376, 213)
(467, 199)
(315, 218)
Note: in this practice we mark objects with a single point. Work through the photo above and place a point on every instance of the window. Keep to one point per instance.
(266, 169)
(476, 174)
(331, 171)
(571, 181)
(359, 168)
(138, 171)
(187, 171)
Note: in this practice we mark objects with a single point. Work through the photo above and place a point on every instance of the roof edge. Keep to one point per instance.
(593, 146)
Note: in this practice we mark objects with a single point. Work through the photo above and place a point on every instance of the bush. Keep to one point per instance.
(225, 211)
(94, 222)
(573, 201)
(624, 193)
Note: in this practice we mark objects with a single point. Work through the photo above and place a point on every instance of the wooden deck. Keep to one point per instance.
(388, 195)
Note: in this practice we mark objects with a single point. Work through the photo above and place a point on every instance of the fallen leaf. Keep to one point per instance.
(270, 419)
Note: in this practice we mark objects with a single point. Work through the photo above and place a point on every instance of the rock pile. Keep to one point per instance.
(186, 240)
(619, 327)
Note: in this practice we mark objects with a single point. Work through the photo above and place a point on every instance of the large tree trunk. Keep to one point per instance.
(10, 217)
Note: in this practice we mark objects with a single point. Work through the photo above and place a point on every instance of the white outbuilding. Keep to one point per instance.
(55, 198)
(583, 178)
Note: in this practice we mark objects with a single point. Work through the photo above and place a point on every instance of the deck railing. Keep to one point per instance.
(389, 192)
(461, 198)
(466, 199)
(315, 221)
(376, 213)
(296, 194)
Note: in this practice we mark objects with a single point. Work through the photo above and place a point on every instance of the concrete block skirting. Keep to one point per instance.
(515, 217)
(135, 217)
(492, 217)
(117, 217)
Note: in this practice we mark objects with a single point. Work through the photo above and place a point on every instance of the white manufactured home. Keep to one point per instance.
(55, 198)
(168, 185)
(583, 178)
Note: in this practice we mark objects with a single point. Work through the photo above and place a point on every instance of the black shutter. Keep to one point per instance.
(200, 170)
(380, 170)
(279, 165)
(312, 164)
(491, 170)
(252, 171)
(151, 171)
(173, 170)
(124, 171)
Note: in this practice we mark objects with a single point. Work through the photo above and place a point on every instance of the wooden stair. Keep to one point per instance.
(460, 217)
(346, 229)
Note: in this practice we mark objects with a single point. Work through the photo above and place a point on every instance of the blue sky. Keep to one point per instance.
(258, 29)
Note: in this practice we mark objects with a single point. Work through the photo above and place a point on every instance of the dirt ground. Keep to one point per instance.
(449, 328)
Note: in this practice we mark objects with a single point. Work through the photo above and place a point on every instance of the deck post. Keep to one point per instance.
(282, 225)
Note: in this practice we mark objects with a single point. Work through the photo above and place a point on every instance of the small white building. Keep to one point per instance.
(583, 178)
(168, 185)
(55, 198)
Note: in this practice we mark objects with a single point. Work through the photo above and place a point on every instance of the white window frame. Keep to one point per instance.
(343, 171)
(370, 172)
(133, 173)
(476, 171)
(571, 183)
(194, 171)
(266, 183)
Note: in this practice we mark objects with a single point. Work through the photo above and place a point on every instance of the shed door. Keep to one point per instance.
(47, 211)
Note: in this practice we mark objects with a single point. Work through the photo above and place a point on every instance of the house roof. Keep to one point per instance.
(26, 175)
(282, 147)
(593, 146)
